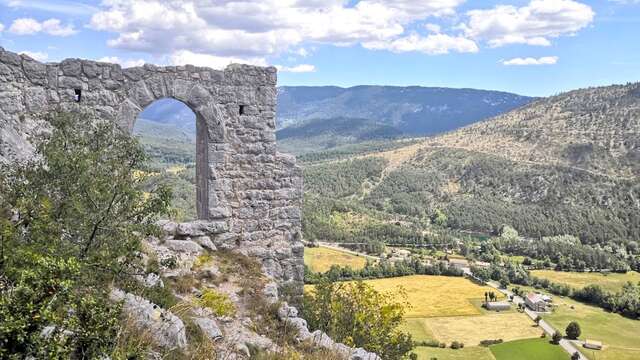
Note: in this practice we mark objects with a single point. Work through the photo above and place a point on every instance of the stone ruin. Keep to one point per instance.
(248, 195)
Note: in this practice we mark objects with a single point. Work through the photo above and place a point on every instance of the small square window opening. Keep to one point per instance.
(77, 94)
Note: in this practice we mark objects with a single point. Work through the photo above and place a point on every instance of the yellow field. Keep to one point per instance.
(472, 329)
(431, 296)
(611, 282)
(321, 259)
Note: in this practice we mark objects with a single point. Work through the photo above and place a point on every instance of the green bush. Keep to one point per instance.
(217, 302)
(358, 316)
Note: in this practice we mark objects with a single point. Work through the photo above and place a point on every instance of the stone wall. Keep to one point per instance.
(249, 195)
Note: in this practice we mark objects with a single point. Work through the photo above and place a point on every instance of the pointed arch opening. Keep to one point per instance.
(176, 140)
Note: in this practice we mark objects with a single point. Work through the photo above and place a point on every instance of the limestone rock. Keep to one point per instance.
(205, 242)
(185, 246)
(167, 330)
(209, 328)
(362, 354)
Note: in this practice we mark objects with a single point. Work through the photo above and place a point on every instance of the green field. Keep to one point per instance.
(620, 335)
(611, 282)
(529, 349)
(467, 353)
(320, 259)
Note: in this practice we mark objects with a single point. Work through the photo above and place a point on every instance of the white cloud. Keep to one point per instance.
(301, 52)
(184, 57)
(545, 60)
(433, 44)
(124, 63)
(36, 55)
(434, 28)
(58, 6)
(252, 30)
(30, 26)
(302, 68)
(1, 27)
(533, 24)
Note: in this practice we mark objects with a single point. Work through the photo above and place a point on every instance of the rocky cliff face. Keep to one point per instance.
(218, 300)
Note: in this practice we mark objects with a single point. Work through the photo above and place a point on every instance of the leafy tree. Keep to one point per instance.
(439, 218)
(70, 224)
(573, 330)
(575, 356)
(556, 337)
(537, 320)
(359, 316)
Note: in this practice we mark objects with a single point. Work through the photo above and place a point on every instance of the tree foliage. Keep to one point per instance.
(573, 330)
(357, 315)
(71, 220)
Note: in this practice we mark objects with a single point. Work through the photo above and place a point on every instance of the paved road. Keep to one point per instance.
(567, 345)
(335, 247)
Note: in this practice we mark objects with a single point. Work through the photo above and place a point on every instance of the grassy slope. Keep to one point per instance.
(611, 282)
(321, 259)
(530, 349)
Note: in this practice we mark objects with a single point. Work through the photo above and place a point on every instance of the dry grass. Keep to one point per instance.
(436, 296)
(472, 329)
(610, 282)
(321, 259)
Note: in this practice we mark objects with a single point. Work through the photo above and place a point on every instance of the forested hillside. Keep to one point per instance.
(567, 165)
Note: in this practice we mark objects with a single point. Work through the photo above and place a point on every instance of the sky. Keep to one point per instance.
(530, 47)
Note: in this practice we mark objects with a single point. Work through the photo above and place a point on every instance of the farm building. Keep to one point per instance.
(459, 263)
(498, 305)
(535, 302)
(593, 344)
(547, 298)
(482, 264)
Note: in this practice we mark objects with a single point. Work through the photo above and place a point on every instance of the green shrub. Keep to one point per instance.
(217, 302)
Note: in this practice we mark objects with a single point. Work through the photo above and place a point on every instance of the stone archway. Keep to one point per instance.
(250, 194)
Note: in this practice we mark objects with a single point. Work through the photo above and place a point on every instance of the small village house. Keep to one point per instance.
(459, 263)
(535, 302)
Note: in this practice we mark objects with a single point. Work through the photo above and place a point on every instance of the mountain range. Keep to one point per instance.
(319, 118)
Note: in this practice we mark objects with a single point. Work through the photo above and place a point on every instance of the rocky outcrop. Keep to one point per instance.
(166, 329)
(248, 194)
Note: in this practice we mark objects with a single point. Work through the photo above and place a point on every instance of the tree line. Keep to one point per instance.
(382, 269)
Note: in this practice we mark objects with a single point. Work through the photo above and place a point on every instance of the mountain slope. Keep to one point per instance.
(413, 110)
(320, 134)
(568, 164)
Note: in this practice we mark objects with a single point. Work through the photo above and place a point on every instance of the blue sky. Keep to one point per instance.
(531, 47)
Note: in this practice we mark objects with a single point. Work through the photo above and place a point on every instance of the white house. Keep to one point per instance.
(535, 302)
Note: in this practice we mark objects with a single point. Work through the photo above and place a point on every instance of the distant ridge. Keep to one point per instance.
(413, 110)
